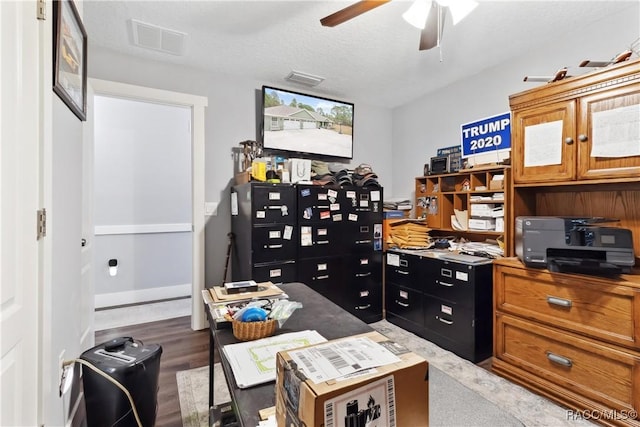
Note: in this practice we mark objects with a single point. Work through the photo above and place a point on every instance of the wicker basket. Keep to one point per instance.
(248, 331)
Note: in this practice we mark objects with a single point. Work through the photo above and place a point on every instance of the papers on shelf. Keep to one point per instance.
(459, 220)
(339, 358)
(254, 362)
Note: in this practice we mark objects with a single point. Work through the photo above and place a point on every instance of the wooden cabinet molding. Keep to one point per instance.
(574, 102)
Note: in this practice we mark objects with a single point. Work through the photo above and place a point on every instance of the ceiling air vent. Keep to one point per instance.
(304, 78)
(157, 38)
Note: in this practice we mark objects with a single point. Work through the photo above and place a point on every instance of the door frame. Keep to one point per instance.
(197, 105)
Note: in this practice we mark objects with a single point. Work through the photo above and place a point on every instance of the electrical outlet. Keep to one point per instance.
(211, 208)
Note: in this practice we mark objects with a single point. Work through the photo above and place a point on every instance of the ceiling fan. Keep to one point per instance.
(428, 15)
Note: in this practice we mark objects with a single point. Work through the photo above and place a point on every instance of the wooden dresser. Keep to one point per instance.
(572, 338)
(575, 338)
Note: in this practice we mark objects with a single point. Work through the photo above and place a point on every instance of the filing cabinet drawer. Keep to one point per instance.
(583, 366)
(448, 319)
(273, 242)
(284, 272)
(273, 204)
(317, 240)
(404, 269)
(588, 305)
(404, 302)
(461, 283)
(320, 203)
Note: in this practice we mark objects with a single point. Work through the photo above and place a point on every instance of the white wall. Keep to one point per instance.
(232, 117)
(433, 121)
(143, 201)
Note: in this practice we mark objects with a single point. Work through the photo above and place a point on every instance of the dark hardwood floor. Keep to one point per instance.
(182, 349)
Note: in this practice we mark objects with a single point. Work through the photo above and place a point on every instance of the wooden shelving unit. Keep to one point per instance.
(438, 196)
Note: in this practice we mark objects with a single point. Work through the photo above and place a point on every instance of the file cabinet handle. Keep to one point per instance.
(274, 207)
(362, 307)
(448, 285)
(559, 301)
(402, 272)
(445, 321)
(560, 360)
(326, 276)
(359, 242)
(403, 304)
(363, 274)
(322, 242)
(274, 246)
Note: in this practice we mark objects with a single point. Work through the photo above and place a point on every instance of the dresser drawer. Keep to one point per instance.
(582, 366)
(589, 306)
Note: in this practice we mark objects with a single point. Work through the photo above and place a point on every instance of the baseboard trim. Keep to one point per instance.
(142, 295)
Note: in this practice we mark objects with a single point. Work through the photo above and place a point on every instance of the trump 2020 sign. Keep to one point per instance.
(490, 134)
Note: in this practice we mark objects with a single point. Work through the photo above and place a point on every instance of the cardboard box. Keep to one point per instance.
(398, 391)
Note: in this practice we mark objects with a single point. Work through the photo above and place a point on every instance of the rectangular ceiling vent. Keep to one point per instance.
(304, 78)
(153, 37)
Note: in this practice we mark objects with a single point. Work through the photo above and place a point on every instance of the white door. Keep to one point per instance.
(87, 288)
(19, 191)
(197, 105)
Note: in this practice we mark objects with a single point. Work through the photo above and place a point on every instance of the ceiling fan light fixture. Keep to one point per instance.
(459, 8)
(417, 13)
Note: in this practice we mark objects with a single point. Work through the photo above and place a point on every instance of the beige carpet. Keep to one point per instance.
(460, 393)
(193, 390)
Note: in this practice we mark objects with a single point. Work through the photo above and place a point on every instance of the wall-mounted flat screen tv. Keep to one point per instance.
(308, 124)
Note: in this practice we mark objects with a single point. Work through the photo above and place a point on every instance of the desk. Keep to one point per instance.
(318, 313)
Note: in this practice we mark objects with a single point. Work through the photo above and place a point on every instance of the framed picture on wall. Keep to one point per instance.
(70, 57)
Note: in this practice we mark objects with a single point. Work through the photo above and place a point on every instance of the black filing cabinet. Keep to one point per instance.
(263, 220)
(340, 245)
(446, 301)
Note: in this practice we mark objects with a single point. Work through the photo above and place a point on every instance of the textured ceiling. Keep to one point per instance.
(375, 53)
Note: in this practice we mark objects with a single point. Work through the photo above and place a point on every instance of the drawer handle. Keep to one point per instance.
(274, 207)
(274, 246)
(326, 276)
(359, 242)
(445, 321)
(560, 360)
(363, 274)
(448, 285)
(559, 301)
(322, 242)
(363, 307)
(402, 272)
(404, 304)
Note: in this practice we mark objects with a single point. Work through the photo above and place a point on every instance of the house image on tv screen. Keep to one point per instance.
(283, 117)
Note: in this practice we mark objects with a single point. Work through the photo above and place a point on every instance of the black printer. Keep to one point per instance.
(574, 244)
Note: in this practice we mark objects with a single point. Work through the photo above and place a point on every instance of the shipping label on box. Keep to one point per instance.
(392, 394)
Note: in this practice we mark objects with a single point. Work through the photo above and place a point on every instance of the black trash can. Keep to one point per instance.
(136, 367)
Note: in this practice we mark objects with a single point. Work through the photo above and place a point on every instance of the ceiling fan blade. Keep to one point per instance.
(429, 36)
(350, 12)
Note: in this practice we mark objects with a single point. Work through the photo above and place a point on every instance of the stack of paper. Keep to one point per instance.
(254, 362)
